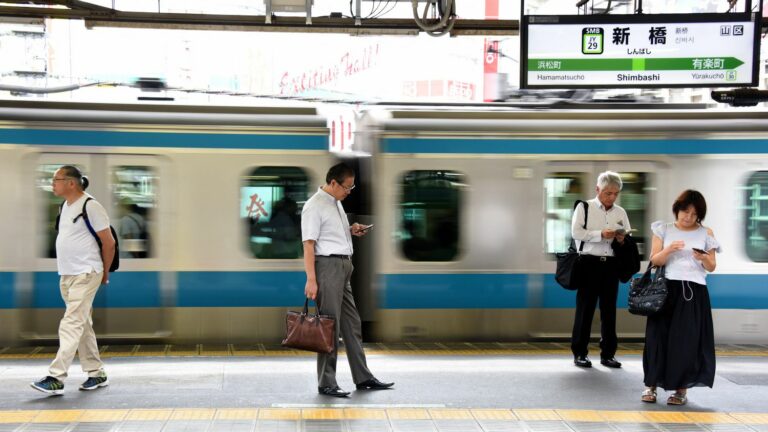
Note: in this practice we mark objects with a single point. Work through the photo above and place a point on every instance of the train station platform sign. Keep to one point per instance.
(612, 51)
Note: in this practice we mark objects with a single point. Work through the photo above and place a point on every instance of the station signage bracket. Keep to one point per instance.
(639, 51)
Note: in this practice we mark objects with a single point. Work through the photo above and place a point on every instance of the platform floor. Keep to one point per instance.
(448, 387)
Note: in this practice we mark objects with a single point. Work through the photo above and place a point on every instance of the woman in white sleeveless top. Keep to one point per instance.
(679, 348)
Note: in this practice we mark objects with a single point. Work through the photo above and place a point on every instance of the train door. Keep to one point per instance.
(564, 183)
(38, 290)
(138, 302)
(358, 206)
(128, 188)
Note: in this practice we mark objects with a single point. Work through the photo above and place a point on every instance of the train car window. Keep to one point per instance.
(633, 199)
(756, 217)
(562, 189)
(134, 189)
(431, 209)
(51, 206)
(271, 199)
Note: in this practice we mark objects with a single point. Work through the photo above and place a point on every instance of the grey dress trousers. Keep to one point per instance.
(334, 298)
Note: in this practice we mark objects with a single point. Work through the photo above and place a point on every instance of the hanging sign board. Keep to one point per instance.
(611, 51)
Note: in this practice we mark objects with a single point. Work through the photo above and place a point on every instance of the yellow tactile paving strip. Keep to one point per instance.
(237, 414)
(493, 414)
(751, 418)
(438, 414)
(364, 414)
(103, 415)
(149, 415)
(431, 349)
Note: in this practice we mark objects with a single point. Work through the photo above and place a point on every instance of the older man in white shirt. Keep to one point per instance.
(606, 223)
(327, 238)
(83, 266)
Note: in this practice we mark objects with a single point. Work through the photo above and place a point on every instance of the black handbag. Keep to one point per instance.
(567, 272)
(648, 293)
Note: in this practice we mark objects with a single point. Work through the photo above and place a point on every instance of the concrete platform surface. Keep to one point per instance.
(478, 391)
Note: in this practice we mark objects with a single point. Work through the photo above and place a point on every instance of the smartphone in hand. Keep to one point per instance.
(366, 228)
(701, 251)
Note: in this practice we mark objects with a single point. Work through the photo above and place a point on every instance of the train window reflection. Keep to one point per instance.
(51, 205)
(756, 217)
(134, 192)
(634, 200)
(430, 208)
(271, 199)
(562, 189)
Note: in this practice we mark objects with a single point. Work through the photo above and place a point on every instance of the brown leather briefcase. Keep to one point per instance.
(309, 332)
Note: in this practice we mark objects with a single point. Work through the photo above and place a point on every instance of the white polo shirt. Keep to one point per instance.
(324, 221)
(76, 250)
(598, 219)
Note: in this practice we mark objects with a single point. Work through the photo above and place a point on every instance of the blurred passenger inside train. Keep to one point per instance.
(133, 230)
(285, 226)
(679, 348)
(327, 238)
(83, 267)
(607, 225)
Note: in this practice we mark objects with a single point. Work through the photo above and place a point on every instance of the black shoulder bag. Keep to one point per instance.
(648, 293)
(567, 272)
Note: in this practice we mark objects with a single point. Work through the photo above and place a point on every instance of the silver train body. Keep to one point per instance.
(468, 208)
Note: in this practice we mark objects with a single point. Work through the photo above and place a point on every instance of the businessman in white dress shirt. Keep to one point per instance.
(606, 223)
(327, 238)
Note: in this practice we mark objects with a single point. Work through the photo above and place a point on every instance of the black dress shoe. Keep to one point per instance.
(582, 361)
(610, 362)
(374, 384)
(332, 391)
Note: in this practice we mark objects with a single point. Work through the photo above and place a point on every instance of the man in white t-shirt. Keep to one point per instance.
(83, 267)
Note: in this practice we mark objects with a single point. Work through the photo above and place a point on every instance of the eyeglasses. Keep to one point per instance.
(348, 189)
(53, 180)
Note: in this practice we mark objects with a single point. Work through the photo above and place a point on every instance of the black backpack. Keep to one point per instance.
(84, 214)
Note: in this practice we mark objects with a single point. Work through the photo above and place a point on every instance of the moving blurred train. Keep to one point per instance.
(469, 208)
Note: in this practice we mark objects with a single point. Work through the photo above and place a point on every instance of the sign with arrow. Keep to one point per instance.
(610, 51)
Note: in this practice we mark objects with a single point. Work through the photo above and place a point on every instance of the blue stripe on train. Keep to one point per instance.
(125, 290)
(571, 146)
(195, 289)
(398, 291)
(7, 299)
(494, 291)
(155, 139)
(246, 289)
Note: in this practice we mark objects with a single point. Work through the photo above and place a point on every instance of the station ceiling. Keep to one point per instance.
(95, 15)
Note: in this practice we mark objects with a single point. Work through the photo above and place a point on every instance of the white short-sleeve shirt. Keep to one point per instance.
(598, 219)
(324, 221)
(76, 249)
(681, 265)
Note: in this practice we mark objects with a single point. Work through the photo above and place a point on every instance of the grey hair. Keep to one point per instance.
(609, 178)
(73, 172)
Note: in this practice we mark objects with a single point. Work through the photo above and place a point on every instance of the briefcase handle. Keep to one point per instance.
(305, 312)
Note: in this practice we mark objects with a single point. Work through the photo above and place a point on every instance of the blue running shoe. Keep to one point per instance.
(49, 385)
(92, 383)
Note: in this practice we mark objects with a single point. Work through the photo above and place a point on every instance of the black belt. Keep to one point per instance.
(597, 258)
(340, 256)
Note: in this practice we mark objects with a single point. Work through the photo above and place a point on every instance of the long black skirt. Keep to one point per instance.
(680, 341)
